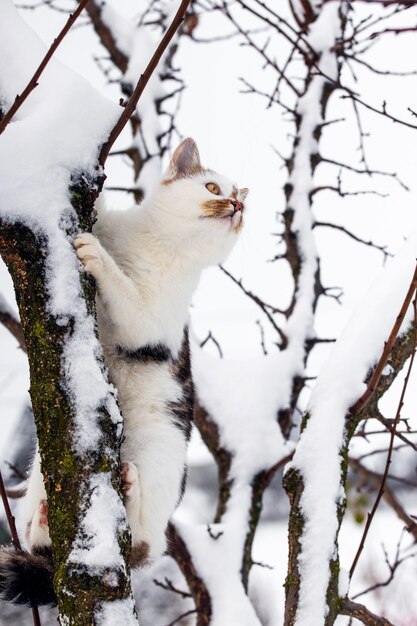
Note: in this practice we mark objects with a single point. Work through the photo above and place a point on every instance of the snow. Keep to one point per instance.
(243, 397)
(344, 581)
(87, 386)
(117, 612)
(94, 545)
(218, 560)
(317, 455)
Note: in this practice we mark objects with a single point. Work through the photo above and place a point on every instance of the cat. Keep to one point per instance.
(146, 263)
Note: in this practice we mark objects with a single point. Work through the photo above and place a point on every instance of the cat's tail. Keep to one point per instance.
(26, 578)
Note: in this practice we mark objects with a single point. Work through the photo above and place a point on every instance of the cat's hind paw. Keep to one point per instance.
(37, 533)
(130, 479)
(90, 253)
(43, 513)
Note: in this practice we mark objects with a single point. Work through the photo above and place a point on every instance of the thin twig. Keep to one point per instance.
(347, 232)
(359, 406)
(392, 569)
(168, 586)
(266, 308)
(9, 516)
(19, 100)
(210, 337)
(261, 329)
(13, 325)
(383, 111)
(363, 614)
(391, 446)
(15, 538)
(180, 617)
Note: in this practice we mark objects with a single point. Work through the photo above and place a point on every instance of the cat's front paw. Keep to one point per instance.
(90, 253)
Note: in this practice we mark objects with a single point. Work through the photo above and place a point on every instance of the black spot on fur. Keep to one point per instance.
(182, 410)
(157, 353)
(27, 578)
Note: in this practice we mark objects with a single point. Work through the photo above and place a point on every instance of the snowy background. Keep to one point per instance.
(236, 136)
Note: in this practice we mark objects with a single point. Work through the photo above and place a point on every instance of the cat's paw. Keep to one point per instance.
(37, 532)
(90, 253)
(43, 513)
(130, 479)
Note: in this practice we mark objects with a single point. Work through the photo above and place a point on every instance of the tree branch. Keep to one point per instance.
(10, 321)
(364, 615)
(390, 451)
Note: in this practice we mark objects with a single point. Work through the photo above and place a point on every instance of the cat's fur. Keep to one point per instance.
(146, 263)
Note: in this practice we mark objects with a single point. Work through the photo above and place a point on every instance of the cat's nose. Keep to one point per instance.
(237, 206)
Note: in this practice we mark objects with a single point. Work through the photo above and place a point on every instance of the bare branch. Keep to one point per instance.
(382, 111)
(373, 382)
(392, 567)
(266, 308)
(168, 586)
(347, 232)
(391, 445)
(364, 615)
(210, 337)
(357, 170)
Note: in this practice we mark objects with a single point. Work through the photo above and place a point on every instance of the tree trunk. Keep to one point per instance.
(69, 474)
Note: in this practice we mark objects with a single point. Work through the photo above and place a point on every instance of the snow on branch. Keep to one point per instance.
(319, 458)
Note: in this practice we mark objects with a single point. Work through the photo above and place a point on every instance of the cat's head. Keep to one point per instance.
(199, 204)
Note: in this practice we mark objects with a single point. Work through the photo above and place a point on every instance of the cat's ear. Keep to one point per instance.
(185, 161)
(243, 193)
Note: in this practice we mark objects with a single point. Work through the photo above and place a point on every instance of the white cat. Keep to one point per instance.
(147, 263)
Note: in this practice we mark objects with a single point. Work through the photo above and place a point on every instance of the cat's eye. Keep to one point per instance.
(213, 188)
